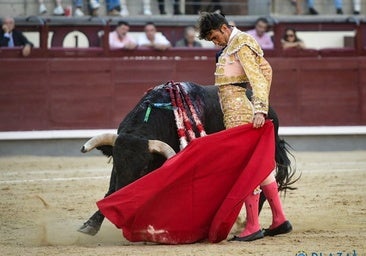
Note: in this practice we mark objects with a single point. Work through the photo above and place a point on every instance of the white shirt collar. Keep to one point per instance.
(233, 33)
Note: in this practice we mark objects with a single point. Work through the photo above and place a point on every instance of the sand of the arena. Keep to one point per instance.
(45, 199)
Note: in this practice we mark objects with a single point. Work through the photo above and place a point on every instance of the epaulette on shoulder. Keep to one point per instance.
(242, 39)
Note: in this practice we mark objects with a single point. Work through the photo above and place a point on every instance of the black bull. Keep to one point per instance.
(132, 157)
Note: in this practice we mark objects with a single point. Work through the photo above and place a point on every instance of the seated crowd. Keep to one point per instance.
(150, 38)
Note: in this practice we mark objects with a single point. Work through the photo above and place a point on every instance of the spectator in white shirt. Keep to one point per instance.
(152, 39)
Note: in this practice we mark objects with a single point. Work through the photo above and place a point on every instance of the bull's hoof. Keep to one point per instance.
(90, 228)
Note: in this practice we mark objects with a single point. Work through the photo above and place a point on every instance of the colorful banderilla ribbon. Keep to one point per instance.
(167, 106)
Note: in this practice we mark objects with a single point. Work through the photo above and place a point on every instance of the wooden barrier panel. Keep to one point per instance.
(92, 93)
(318, 91)
(95, 87)
(75, 93)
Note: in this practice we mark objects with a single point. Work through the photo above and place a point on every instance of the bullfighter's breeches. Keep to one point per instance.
(236, 107)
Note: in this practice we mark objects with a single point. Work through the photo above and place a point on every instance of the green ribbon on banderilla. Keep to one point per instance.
(167, 106)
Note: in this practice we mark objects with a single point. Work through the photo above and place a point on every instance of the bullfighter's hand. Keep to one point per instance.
(258, 120)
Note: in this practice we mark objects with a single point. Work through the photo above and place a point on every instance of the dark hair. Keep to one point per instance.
(122, 22)
(261, 19)
(210, 21)
(188, 28)
(295, 34)
(149, 23)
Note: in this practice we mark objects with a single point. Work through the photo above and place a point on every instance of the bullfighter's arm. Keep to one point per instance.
(259, 74)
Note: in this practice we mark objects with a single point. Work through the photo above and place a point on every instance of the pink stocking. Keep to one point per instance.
(273, 197)
(252, 221)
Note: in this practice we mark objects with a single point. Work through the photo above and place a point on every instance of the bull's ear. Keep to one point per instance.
(106, 150)
(160, 147)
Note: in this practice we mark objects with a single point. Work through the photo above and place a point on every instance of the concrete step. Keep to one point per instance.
(17, 8)
(324, 7)
(30, 7)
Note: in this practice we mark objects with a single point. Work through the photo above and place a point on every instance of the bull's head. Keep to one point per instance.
(133, 157)
(109, 139)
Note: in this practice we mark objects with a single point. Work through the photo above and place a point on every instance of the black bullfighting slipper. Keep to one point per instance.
(248, 238)
(284, 228)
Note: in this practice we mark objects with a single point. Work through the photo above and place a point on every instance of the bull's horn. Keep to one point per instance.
(99, 140)
(158, 146)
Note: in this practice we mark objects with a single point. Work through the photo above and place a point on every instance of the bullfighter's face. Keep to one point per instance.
(220, 36)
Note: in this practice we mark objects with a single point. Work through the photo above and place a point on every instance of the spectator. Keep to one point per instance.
(152, 39)
(93, 7)
(338, 4)
(119, 8)
(189, 39)
(260, 33)
(290, 40)
(298, 6)
(119, 38)
(146, 7)
(176, 7)
(114, 7)
(10, 37)
(214, 6)
(356, 7)
(59, 10)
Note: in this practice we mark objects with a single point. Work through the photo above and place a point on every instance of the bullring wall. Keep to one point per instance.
(94, 92)
(94, 87)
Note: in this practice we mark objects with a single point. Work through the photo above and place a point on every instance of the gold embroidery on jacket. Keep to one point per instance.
(244, 48)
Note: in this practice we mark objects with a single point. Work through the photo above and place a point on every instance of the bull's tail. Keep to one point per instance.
(285, 174)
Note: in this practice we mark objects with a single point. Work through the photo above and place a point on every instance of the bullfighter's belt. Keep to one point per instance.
(243, 84)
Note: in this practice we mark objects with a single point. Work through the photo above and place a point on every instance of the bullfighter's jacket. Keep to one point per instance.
(242, 61)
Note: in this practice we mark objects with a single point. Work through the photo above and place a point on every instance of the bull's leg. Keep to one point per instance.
(262, 199)
(93, 224)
